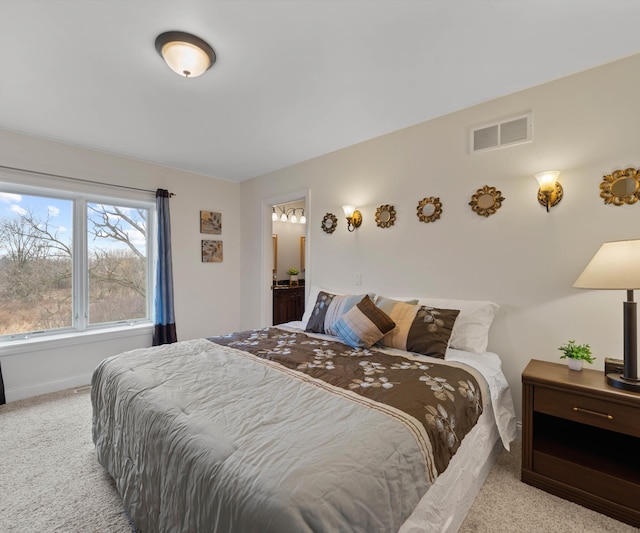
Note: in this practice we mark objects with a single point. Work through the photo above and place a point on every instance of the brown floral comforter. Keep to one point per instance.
(445, 399)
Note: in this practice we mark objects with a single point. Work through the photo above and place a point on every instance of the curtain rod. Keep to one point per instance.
(79, 179)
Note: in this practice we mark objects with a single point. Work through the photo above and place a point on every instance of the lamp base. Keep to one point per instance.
(620, 382)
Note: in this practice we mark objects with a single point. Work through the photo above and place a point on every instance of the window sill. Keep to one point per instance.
(72, 338)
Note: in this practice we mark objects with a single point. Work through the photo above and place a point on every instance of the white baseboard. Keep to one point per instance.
(21, 393)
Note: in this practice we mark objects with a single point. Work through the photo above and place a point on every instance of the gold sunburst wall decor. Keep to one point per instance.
(385, 216)
(621, 187)
(329, 223)
(486, 201)
(429, 209)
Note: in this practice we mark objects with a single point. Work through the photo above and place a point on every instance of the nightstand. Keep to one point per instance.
(581, 439)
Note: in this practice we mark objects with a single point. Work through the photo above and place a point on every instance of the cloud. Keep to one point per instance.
(62, 229)
(9, 198)
(19, 210)
(53, 210)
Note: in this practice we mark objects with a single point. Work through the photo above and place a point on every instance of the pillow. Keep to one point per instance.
(339, 306)
(314, 290)
(471, 329)
(363, 325)
(328, 309)
(315, 321)
(420, 329)
(386, 304)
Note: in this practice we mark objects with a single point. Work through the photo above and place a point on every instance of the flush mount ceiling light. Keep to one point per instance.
(186, 54)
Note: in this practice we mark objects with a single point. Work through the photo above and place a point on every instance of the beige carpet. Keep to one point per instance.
(51, 481)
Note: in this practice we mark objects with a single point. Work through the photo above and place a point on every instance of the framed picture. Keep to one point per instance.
(211, 251)
(275, 253)
(210, 222)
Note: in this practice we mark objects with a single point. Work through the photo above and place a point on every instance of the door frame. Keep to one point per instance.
(266, 315)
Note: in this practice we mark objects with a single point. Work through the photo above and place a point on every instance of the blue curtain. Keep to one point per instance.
(164, 331)
(2, 398)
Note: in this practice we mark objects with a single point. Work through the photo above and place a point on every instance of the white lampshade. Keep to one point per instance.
(616, 265)
(274, 215)
(547, 180)
(303, 219)
(186, 54)
(348, 210)
(283, 217)
(294, 218)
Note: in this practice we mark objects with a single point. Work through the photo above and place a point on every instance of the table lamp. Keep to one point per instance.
(616, 265)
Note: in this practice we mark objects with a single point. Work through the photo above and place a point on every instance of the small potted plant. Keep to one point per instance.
(293, 275)
(577, 354)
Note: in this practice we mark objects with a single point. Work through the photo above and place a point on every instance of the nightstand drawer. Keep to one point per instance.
(587, 410)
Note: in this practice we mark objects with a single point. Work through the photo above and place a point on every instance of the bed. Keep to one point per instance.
(312, 425)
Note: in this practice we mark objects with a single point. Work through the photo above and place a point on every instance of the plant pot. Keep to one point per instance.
(575, 364)
(293, 280)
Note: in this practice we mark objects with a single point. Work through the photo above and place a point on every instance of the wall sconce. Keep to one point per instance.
(550, 191)
(354, 217)
(186, 54)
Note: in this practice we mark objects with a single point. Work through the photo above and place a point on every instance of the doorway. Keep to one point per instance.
(285, 250)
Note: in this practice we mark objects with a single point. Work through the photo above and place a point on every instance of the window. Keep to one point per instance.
(72, 261)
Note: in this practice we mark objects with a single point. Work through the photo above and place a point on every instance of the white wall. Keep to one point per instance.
(206, 294)
(524, 259)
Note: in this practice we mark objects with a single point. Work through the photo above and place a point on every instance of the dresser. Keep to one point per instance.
(288, 303)
(581, 439)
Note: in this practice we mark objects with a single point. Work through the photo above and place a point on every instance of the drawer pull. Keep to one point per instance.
(580, 409)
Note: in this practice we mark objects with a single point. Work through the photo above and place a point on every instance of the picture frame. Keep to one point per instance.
(211, 222)
(211, 251)
(275, 253)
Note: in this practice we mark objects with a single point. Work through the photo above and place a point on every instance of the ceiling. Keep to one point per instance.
(294, 79)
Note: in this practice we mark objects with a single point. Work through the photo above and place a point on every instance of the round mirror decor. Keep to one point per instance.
(329, 223)
(621, 187)
(385, 216)
(486, 201)
(429, 209)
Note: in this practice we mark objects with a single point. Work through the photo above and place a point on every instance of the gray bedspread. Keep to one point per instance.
(203, 437)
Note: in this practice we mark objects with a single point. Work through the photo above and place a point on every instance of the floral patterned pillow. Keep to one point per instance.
(420, 329)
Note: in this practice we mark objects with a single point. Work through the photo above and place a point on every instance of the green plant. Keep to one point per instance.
(293, 271)
(577, 351)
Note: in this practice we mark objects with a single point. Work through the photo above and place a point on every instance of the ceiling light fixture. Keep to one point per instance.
(186, 54)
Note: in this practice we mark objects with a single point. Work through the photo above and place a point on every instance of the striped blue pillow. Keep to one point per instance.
(363, 325)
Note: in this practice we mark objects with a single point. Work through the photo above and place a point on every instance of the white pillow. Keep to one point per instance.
(311, 302)
(471, 329)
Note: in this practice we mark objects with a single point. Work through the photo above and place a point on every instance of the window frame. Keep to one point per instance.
(83, 195)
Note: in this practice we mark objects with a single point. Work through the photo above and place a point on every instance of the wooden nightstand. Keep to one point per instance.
(581, 439)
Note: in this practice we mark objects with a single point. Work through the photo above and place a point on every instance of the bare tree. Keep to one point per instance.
(23, 240)
(110, 222)
(36, 266)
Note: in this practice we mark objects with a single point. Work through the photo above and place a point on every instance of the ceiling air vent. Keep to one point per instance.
(514, 130)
